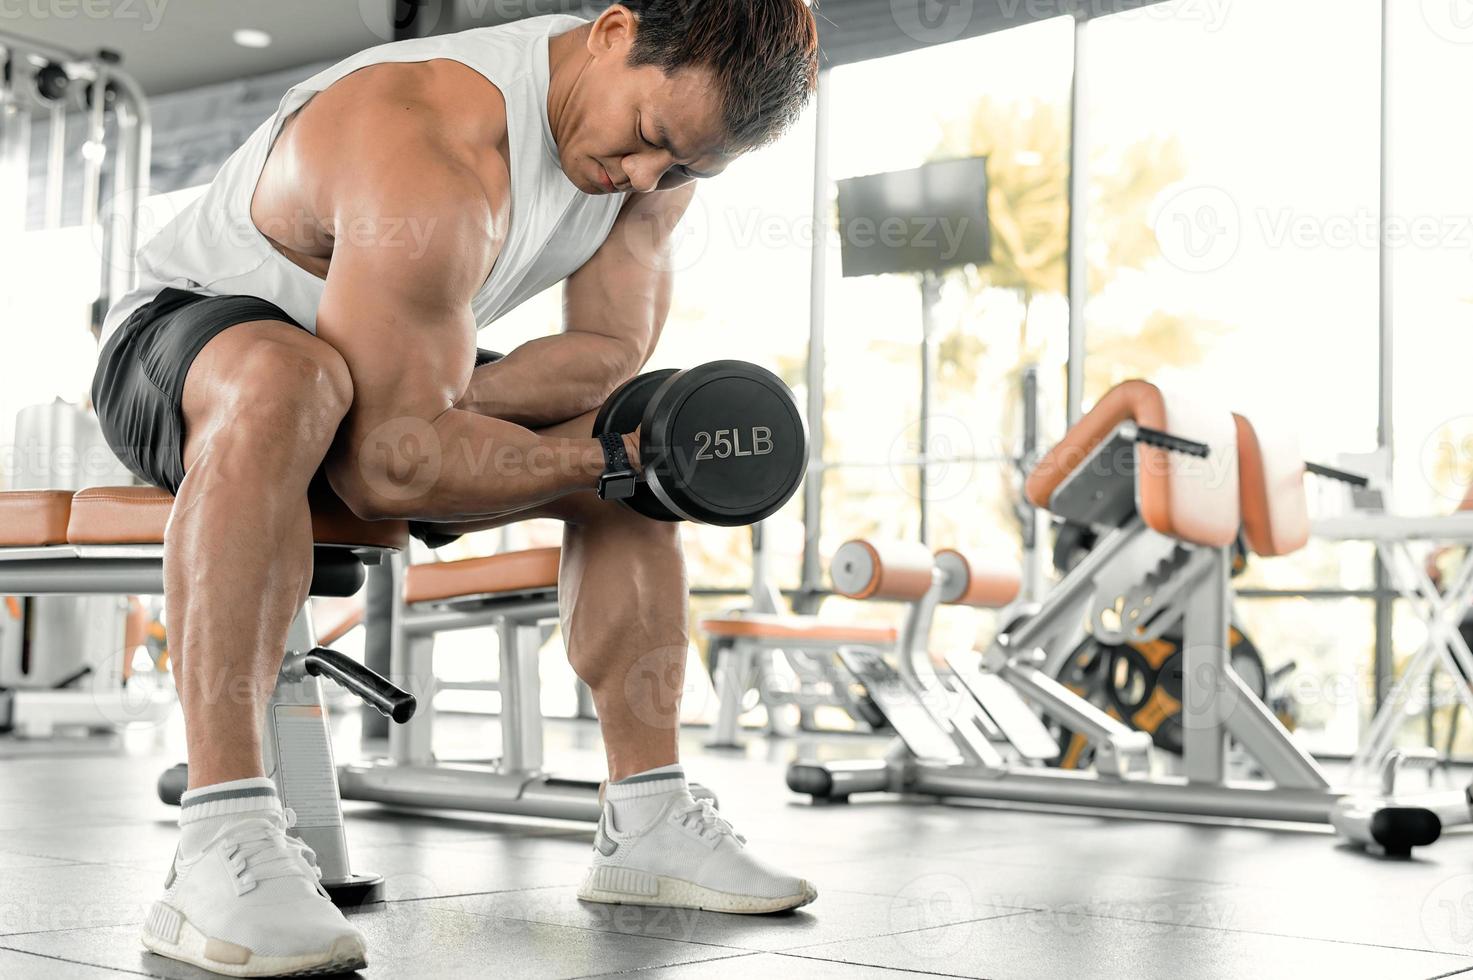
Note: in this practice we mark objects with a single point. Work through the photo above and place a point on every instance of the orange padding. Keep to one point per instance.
(896, 570)
(973, 581)
(1138, 401)
(796, 629)
(514, 571)
(1271, 494)
(34, 518)
(137, 515)
(1199, 511)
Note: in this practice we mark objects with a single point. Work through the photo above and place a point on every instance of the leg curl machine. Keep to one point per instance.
(1165, 473)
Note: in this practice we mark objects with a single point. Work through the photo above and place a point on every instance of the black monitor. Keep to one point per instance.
(923, 220)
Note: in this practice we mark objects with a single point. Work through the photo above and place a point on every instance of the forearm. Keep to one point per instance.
(462, 467)
(552, 379)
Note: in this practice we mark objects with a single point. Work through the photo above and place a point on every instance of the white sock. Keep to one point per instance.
(636, 800)
(204, 811)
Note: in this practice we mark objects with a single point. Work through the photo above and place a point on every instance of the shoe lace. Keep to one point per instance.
(257, 849)
(701, 816)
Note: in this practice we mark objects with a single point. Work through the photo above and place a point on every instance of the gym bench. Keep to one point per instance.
(516, 592)
(109, 541)
(744, 647)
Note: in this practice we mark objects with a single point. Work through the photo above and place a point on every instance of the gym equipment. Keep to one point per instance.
(64, 659)
(743, 647)
(721, 443)
(835, 663)
(41, 80)
(1177, 499)
(1445, 648)
(516, 592)
(1382, 823)
(109, 541)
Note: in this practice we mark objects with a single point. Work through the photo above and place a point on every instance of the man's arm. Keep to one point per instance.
(402, 320)
(614, 308)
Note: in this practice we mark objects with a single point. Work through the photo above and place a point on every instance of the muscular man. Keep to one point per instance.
(312, 321)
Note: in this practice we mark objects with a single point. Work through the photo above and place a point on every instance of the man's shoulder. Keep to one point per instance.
(404, 141)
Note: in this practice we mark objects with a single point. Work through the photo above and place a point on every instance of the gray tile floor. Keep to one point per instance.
(905, 889)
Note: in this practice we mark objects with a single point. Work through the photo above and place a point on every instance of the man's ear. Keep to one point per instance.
(613, 32)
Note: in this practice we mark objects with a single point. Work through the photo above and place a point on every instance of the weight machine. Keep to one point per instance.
(1161, 476)
(63, 658)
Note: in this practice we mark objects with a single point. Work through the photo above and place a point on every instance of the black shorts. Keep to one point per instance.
(138, 390)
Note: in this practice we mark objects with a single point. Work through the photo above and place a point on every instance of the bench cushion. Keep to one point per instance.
(1271, 489)
(899, 571)
(514, 571)
(796, 629)
(33, 518)
(973, 580)
(137, 515)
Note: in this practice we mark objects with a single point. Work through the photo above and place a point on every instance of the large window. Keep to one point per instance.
(1231, 251)
(1005, 97)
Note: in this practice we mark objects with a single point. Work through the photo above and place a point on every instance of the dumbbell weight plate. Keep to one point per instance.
(622, 412)
(723, 443)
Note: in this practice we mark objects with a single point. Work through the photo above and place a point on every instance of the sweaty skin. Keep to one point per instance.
(393, 185)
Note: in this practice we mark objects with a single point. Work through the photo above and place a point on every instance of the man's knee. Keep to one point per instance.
(294, 393)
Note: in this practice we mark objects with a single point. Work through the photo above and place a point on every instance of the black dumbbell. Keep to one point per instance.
(720, 443)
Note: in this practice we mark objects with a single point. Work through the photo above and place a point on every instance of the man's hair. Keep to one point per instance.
(763, 54)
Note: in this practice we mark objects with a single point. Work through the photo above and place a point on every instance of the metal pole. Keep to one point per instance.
(930, 296)
(818, 283)
(130, 183)
(1382, 666)
(15, 148)
(1078, 283)
(56, 165)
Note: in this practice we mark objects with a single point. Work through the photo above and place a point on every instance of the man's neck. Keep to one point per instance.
(567, 57)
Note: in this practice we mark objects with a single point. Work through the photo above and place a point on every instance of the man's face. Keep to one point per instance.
(638, 129)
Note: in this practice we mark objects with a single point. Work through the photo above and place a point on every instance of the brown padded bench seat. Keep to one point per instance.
(34, 518)
(137, 515)
(796, 628)
(512, 571)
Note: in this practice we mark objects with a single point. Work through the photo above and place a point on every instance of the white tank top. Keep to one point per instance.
(213, 247)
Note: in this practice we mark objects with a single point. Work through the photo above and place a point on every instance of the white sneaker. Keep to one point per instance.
(686, 857)
(251, 905)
